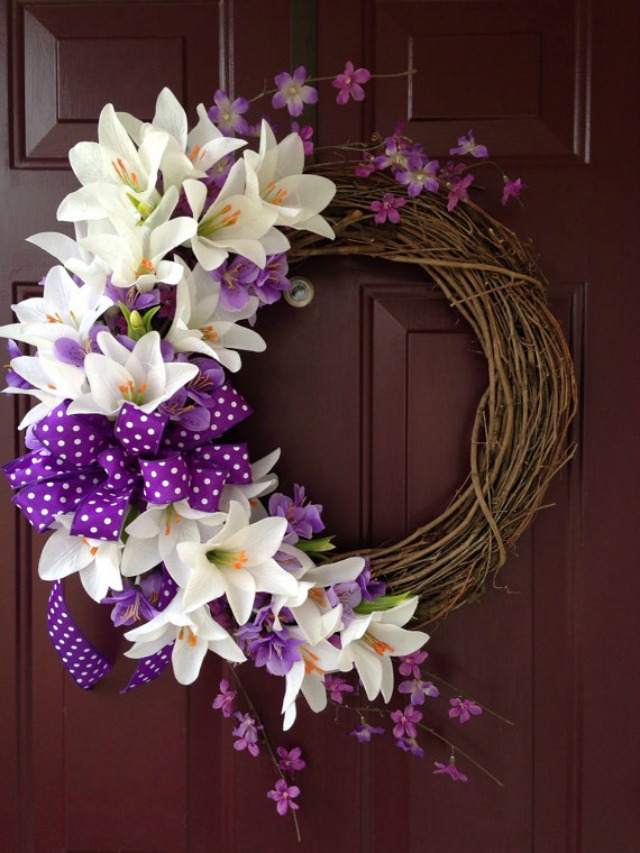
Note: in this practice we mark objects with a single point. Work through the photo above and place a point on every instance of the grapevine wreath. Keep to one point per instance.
(181, 237)
(518, 441)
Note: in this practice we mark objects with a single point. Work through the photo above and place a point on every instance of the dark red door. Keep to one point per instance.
(377, 376)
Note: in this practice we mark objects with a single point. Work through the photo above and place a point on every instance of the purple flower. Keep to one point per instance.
(246, 734)
(349, 83)
(366, 166)
(451, 770)
(512, 189)
(227, 114)
(291, 759)
(410, 664)
(336, 686)
(420, 174)
(271, 281)
(458, 191)
(418, 689)
(305, 133)
(224, 699)
(364, 732)
(234, 279)
(283, 794)
(349, 595)
(468, 145)
(292, 93)
(135, 602)
(405, 722)
(410, 745)
(303, 519)
(275, 650)
(463, 708)
(387, 209)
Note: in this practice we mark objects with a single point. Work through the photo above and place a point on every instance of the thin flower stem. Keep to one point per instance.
(267, 742)
(484, 707)
(369, 709)
(266, 91)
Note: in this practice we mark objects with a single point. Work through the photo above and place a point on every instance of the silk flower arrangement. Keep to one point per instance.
(181, 236)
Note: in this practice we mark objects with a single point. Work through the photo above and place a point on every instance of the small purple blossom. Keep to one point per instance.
(224, 700)
(336, 686)
(246, 734)
(468, 145)
(275, 650)
(405, 722)
(364, 732)
(283, 795)
(272, 281)
(366, 166)
(305, 133)
(451, 770)
(292, 92)
(387, 209)
(463, 709)
(410, 664)
(410, 745)
(291, 760)
(417, 690)
(512, 189)
(227, 114)
(135, 601)
(303, 519)
(419, 174)
(458, 191)
(350, 83)
(234, 279)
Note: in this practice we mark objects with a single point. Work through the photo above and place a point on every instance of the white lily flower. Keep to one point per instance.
(63, 310)
(275, 176)
(201, 325)
(139, 376)
(90, 269)
(153, 538)
(114, 172)
(51, 382)
(369, 643)
(136, 255)
(189, 154)
(237, 562)
(307, 675)
(192, 634)
(97, 562)
(233, 222)
(314, 614)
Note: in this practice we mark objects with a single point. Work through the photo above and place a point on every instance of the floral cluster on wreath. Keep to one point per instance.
(180, 238)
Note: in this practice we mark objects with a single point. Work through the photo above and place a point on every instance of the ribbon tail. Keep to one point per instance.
(149, 669)
(84, 663)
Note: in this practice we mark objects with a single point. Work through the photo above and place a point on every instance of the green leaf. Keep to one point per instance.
(383, 602)
(315, 546)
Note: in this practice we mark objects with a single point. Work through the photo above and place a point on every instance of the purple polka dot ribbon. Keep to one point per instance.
(88, 466)
(84, 663)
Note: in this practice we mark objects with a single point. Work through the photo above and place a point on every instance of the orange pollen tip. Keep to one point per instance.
(226, 208)
(379, 646)
(317, 595)
(49, 385)
(242, 559)
(94, 550)
(143, 388)
(194, 153)
(191, 637)
(310, 664)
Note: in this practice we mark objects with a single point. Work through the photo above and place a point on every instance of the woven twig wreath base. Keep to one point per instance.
(519, 437)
